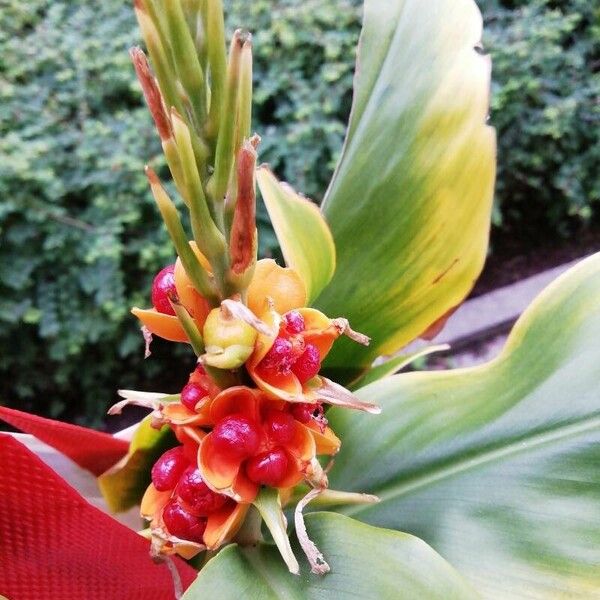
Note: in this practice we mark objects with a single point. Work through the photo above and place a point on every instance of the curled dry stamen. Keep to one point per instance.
(147, 340)
(337, 395)
(318, 564)
(151, 400)
(177, 585)
(343, 327)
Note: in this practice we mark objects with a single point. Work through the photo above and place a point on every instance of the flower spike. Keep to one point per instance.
(249, 426)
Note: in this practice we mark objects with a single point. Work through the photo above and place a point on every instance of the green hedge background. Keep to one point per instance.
(80, 238)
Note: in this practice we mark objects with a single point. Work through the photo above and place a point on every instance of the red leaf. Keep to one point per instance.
(55, 545)
(91, 450)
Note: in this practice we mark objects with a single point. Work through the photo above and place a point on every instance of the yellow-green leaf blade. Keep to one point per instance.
(301, 230)
(124, 484)
(366, 562)
(410, 203)
(395, 364)
(496, 466)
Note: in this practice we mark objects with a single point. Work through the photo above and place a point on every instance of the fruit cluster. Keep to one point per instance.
(251, 419)
(252, 413)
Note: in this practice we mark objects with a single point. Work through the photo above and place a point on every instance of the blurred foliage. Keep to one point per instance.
(545, 106)
(79, 235)
(304, 64)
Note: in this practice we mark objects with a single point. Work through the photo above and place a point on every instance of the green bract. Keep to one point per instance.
(302, 233)
(124, 484)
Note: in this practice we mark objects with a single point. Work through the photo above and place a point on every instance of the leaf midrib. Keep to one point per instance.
(462, 465)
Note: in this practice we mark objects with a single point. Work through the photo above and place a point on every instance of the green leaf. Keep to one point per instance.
(124, 484)
(410, 203)
(302, 232)
(366, 563)
(395, 364)
(496, 466)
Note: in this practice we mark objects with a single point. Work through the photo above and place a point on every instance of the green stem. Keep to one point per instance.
(159, 55)
(244, 110)
(214, 28)
(193, 268)
(191, 11)
(150, 7)
(189, 326)
(209, 239)
(250, 532)
(171, 154)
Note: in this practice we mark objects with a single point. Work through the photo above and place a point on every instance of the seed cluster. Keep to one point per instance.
(192, 501)
(290, 353)
(251, 440)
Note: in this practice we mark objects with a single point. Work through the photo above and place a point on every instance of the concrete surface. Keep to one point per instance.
(477, 330)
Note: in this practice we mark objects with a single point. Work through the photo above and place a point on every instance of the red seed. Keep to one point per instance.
(190, 449)
(268, 468)
(195, 496)
(162, 287)
(191, 394)
(168, 469)
(236, 436)
(199, 371)
(304, 411)
(294, 322)
(279, 426)
(308, 365)
(279, 358)
(180, 523)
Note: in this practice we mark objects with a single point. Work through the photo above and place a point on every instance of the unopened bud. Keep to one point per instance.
(151, 93)
(243, 229)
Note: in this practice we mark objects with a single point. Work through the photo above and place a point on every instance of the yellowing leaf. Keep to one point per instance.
(124, 484)
(409, 205)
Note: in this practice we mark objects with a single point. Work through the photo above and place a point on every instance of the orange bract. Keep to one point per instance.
(195, 304)
(165, 326)
(226, 474)
(224, 524)
(168, 326)
(270, 282)
(282, 285)
(221, 525)
(319, 330)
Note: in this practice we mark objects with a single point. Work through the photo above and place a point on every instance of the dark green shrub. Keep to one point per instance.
(545, 106)
(80, 237)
